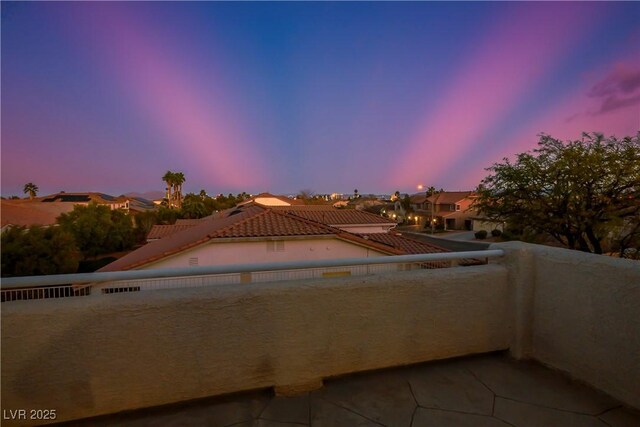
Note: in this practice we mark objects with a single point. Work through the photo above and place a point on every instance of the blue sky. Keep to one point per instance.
(287, 96)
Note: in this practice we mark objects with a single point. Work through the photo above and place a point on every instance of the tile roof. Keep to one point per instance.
(254, 221)
(270, 223)
(449, 197)
(266, 202)
(161, 231)
(333, 216)
(251, 221)
(188, 221)
(446, 197)
(32, 212)
(406, 244)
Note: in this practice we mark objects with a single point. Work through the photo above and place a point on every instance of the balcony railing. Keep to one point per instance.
(85, 357)
(86, 284)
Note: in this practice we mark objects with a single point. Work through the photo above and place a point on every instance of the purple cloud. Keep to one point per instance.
(618, 89)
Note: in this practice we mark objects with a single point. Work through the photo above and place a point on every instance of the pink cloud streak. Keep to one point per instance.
(202, 131)
(579, 111)
(507, 65)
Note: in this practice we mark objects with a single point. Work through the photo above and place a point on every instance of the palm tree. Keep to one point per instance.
(31, 189)
(178, 180)
(169, 178)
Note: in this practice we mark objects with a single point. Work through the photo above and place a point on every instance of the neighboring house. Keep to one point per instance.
(45, 210)
(27, 213)
(486, 224)
(351, 220)
(268, 199)
(84, 199)
(258, 234)
(450, 209)
(128, 204)
(364, 203)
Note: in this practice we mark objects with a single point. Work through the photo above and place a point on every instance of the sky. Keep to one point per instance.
(286, 96)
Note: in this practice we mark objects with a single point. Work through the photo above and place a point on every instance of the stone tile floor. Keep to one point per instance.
(486, 390)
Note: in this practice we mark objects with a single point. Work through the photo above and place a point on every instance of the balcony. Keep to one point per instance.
(565, 327)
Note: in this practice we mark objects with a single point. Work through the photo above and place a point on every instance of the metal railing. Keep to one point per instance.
(38, 287)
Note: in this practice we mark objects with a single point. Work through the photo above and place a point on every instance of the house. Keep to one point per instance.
(451, 210)
(127, 204)
(45, 210)
(351, 220)
(27, 213)
(268, 199)
(252, 233)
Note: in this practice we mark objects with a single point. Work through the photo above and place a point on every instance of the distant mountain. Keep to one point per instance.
(149, 195)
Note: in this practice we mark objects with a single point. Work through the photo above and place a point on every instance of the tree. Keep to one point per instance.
(98, 230)
(167, 216)
(169, 178)
(143, 223)
(578, 192)
(178, 180)
(194, 207)
(174, 181)
(31, 189)
(305, 194)
(355, 193)
(38, 250)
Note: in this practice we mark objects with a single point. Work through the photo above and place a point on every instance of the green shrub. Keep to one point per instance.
(496, 233)
(481, 235)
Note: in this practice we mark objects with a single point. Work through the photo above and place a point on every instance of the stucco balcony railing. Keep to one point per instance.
(84, 357)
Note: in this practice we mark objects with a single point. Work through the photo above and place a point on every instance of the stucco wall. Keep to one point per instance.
(90, 356)
(579, 313)
(240, 252)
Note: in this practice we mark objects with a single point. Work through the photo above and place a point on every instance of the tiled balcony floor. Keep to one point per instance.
(487, 390)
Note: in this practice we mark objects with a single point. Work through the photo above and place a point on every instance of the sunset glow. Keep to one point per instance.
(282, 97)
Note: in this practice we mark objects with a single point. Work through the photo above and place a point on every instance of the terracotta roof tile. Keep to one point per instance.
(333, 216)
(161, 231)
(271, 224)
(251, 221)
(447, 197)
(406, 244)
(27, 212)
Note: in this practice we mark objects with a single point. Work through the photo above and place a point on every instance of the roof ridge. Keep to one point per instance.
(248, 216)
(282, 212)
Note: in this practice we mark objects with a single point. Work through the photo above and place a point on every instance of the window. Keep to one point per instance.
(457, 207)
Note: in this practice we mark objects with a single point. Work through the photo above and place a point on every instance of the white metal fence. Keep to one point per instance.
(102, 283)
